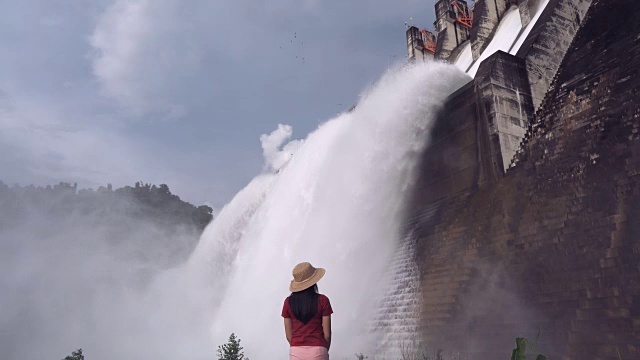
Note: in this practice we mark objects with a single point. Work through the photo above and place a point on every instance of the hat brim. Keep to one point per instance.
(296, 286)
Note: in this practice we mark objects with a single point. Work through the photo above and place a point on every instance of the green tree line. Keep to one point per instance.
(141, 200)
(146, 221)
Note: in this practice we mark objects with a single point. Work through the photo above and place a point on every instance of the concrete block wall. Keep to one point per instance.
(554, 243)
(503, 97)
(450, 33)
(415, 45)
(446, 41)
(486, 17)
(548, 42)
(478, 131)
(527, 10)
(456, 158)
(542, 51)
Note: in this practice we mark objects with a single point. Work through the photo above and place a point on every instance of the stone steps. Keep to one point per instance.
(397, 317)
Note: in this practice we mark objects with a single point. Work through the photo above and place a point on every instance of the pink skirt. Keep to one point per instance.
(308, 353)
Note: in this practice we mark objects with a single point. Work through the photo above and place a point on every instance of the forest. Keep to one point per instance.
(157, 222)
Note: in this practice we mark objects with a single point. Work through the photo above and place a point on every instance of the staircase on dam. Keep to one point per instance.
(398, 316)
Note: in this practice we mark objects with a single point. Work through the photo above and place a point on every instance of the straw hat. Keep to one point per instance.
(305, 276)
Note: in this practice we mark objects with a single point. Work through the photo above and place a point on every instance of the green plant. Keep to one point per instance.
(76, 355)
(520, 352)
(231, 350)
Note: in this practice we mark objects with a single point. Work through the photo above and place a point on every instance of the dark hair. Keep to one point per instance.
(304, 304)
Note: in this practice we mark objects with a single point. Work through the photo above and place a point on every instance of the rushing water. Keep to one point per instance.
(509, 37)
(337, 203)
(505, 36)
(335, 199)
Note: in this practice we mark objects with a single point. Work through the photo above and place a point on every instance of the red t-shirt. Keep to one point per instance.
(309, 334)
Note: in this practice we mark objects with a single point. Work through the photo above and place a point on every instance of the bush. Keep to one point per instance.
(519, 353)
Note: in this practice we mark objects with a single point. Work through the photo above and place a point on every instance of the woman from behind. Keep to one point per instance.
(307, 315)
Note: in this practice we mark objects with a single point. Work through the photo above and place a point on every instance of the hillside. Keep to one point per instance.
(157, 224)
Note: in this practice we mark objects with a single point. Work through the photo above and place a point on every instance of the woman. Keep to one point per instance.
(307, 315)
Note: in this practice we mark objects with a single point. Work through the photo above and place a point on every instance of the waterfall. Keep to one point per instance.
(336, 201)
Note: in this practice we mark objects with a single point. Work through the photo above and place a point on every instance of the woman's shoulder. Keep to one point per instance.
(325, 305)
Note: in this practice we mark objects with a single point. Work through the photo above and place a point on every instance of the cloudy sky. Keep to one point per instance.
(179, 91)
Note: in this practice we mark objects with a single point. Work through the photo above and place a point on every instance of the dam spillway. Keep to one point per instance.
(397, 316)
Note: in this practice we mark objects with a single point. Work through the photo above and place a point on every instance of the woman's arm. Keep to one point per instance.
(288, 324)
(326, 329)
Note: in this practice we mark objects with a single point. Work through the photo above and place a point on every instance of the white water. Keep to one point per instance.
(509, 37)
(338, 204)
(527, 30)
(465, 59)
(397, 317)
(505, 36)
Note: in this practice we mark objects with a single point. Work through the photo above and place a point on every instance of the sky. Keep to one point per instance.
(180, 91)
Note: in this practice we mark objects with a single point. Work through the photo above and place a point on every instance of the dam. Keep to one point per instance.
(524, 217)
(458, 207)
(486, 189)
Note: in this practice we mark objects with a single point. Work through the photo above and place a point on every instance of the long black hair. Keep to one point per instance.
(304, 304)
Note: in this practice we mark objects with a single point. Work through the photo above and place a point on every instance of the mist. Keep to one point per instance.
(338, 202)
(77, 267)
(148, 291)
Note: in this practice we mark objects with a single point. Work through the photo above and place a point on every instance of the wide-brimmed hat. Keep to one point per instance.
(305, 276)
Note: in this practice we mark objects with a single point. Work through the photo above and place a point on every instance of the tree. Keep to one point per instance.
(164, 189)
(206, 208)
(231, 350)
(76, 355)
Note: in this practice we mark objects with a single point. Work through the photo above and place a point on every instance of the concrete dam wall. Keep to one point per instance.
(526, 215)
